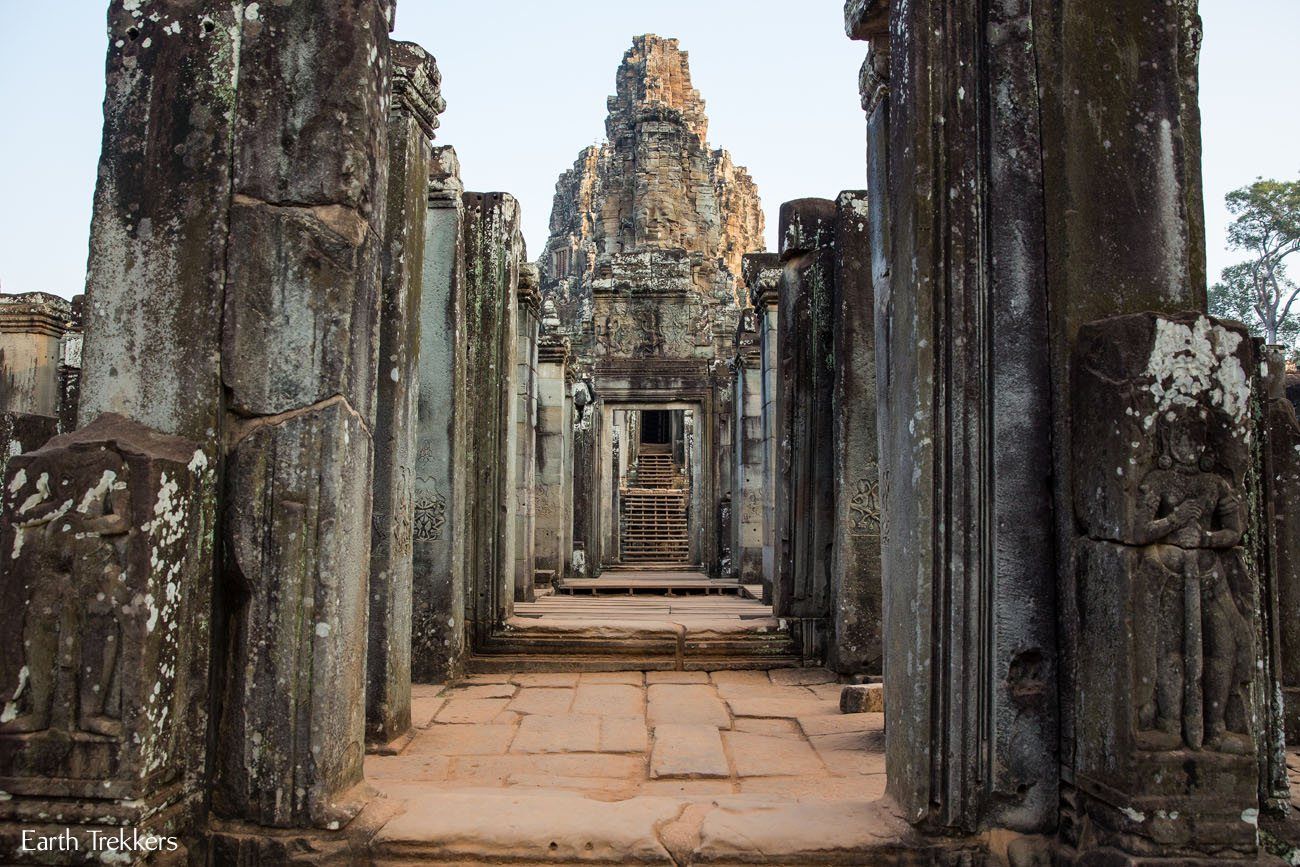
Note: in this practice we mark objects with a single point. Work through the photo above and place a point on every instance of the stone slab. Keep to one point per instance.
(765, 756)
(539, 700)
(570, 733)
(487, 690)
(781, 707)
(786, 728)
(471, 710)
(424, 709)
(609, 699)
(623, 734)
(408, 767)
(546, 679)
(652, 677)
(496, 770)
(686, 704)
(632, 678)
(799, 832)
(852, 722)
(802, 676)
(691, 751)
(469, 828)
(461, 740)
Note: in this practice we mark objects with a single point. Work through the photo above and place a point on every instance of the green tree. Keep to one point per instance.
(1266, 226)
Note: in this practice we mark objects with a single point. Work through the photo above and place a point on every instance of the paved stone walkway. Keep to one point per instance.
(656, 767)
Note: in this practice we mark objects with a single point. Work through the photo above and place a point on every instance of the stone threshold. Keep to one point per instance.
(487, 827)
(527, 644)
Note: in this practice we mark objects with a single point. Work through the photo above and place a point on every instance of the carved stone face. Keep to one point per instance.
(1184, 446)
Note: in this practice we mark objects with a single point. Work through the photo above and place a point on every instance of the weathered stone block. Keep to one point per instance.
(863, 698)
(23, 432)
(291, 736)
(159, 230)
(1168, 720)
(303, 280)
(323, 147)
(104, 628)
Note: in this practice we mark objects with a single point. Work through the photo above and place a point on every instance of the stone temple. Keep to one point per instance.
(335, 530)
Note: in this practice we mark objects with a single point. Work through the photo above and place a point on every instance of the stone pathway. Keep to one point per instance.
(649, 767)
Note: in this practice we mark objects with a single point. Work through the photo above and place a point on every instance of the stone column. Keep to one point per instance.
(299, 362)
(492, 260)
(412, 119)
(441, 520)
(109, 531)
(554, 436)
(528, 318)
(1282, 484)
(1022, 203)
(856, 586)
(585, 475)
(762, 273)
(804, 431)
(749, 454)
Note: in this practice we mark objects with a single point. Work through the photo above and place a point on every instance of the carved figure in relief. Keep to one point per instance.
(72, 627)
(864, 508)
(1194, 664)
(430, 513)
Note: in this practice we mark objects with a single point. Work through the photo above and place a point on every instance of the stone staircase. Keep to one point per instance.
(653, 524)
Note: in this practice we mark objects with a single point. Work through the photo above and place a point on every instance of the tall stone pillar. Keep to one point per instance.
(1282, 483)
(1024, 208)
(109, 531)
(492, 252)
(299, 360)
(412, 119)
(554, 456)
(525, 427)
(586, 443)
(856, 586)
(762, 275)
(749, 452)
(804, 430)
(441, 516)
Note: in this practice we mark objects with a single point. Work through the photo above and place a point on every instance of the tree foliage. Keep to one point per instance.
(1266, 227)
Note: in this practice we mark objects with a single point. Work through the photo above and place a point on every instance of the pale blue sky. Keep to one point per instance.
(526, 82)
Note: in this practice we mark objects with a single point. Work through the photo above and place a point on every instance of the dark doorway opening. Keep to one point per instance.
(656, 427)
